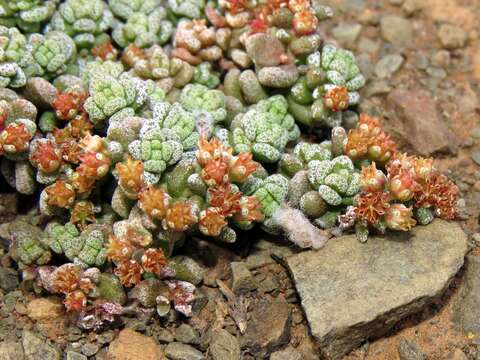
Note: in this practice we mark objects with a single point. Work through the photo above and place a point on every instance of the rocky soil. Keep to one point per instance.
(393, 298)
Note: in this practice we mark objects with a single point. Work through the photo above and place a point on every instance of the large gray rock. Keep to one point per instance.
(35, 348)
(466, 309)
(352, 292)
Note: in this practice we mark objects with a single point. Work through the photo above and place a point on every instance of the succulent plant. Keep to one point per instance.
(143, 29)
(26, 245)
(28, 15)
(157, 148)
(84, 249)
(124, 9)
(199, 98)
(82, 20)
(179, 122)
(329, 87)
(271, 192)
(124, 95)
(265, 130)
(12, 57)
(49, 55)
(192, 9)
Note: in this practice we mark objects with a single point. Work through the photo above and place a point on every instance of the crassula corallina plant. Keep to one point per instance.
(329, 87)
(131, 127)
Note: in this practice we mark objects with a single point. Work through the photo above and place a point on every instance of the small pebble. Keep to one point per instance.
(476, 157)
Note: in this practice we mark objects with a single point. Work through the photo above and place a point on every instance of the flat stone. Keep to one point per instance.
(40, 92)
(11, 351)
(243, 280)
(179, 351)
(346, 33)
(457, 354)
(476, 157)
(452, 37)
(35, 348)
(262, 251)
(388, 65)
(187, 335)
(352, 292)
(289, 353)
(72, 355)
(45, 309)
(268, 328)
(131, 345)
(417, 124)
(397, 30)
(408, 350)
(466, 309)
(224, 346)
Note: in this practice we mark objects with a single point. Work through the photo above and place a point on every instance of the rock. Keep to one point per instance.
(346, 33)
(187, 335)
(289, 353)
(435, 72)
(262, 251)
(476, 157)
(268, 328)
(224, 346)
(40, 92)
(11, 351)
(379, 282)
(388, 65)
(452, 37)
(457, 354)
(89, 349)
(396, 2)
(396, 30)
(35, 348)
(278, 76)
(72, 355)
(441, 59)
(411, 6)
(466, 309)
(417, 123)
(179, 351)
(187, 269)
(8, 279)
(408, 350)
(376, 88)
(45, 309)
(24, 178)
(131, 345)
(243, 280)
(164, 336)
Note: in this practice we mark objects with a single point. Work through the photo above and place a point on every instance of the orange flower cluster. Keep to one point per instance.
(304, 19)
(105, 51)
(60, 194)
(83, 214)
(415, 178)
(69, 104)
(410, 180)
(129, 270)
(336, 98)
(130, 176)
(14, 139)
(369, 141)
(46, 157)
(70, 280)
(219, 170)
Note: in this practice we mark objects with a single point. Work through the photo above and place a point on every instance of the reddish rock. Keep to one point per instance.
(131, 345)
(416, 124)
